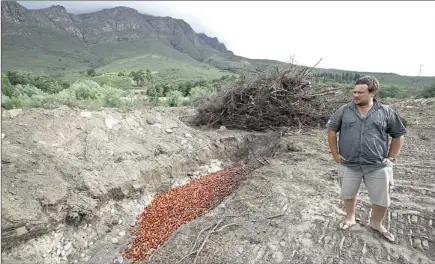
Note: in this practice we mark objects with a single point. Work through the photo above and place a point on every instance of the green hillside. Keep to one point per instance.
(237, 63)
(45, 51)
(164, 67)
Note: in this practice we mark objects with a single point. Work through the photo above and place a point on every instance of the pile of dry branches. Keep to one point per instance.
(275, 99)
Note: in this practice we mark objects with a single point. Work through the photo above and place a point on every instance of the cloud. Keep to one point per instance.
(364, 36)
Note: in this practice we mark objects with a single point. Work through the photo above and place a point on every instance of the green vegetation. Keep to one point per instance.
(139, 77)
(329, 77)
(81, 94)
(428, 91)
(23, 90)
(49, 52)
(165, 68)
(91, 72)
(391, 85)
(92, 89)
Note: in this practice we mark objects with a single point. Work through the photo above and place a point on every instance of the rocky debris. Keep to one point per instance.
(21, 231)
(12, 113)
(425, 244)
(222, 128)
(86, 114)
(110, 122)
(153, 120)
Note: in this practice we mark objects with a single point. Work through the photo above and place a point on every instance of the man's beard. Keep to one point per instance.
(362, 102)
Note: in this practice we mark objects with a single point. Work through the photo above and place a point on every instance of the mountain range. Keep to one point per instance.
(51, 40)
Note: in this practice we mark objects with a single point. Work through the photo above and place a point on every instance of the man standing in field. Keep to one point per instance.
(362, 153)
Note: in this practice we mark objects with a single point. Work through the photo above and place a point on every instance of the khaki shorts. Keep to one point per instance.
(378, 183)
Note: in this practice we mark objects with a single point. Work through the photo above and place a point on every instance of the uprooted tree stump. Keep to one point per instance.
(275, 99)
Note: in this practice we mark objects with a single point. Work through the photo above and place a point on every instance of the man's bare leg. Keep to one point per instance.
(377, 218)
(350, 205)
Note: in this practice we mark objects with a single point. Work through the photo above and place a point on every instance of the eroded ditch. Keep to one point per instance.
(91, 224)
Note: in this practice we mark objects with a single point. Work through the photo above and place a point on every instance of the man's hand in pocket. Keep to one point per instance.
(388, 162)
(338, 158)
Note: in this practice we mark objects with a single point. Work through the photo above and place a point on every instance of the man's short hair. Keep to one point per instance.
(370, 81)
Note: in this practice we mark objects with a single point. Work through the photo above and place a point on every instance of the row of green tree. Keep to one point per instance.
(344, 77)
(185, 87)
(46, 84)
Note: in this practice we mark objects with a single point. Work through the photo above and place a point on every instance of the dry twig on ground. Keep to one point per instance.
(214, 227)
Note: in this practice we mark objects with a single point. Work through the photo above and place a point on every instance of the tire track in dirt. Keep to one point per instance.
(410, 218)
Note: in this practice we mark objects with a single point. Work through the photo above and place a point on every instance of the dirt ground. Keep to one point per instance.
(288, 211)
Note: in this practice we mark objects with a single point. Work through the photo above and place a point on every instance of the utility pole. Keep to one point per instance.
(418, 81)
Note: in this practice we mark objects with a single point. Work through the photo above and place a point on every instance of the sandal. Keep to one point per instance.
(387, 235)
(345, 225)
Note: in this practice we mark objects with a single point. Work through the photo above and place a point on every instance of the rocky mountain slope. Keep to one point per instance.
(96, 39)
(53, 41)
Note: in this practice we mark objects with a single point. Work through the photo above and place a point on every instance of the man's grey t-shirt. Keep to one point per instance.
(363, 141)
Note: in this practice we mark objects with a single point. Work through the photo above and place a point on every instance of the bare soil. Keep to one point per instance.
(73, 182)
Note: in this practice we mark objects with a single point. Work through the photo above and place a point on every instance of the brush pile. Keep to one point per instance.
(274, 99)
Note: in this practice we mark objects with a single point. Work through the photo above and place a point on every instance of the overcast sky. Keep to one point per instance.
(362, 36)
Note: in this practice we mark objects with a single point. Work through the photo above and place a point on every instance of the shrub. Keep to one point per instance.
(91, 72)
(16, 77)
(21, 101)
(111, 97)
(198, 95)
(167, 88)
(391, 91)
(16, 90)
(49, 85)
(85, 89)
(139, 77)
(152, 92)
(7, 88)
(28, 90)
(428, 91)
(8, 102)
(174, 98)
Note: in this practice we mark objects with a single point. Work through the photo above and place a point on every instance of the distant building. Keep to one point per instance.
(110, 74)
